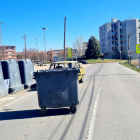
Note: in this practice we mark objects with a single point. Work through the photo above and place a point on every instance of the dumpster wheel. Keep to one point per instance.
(43, 111)
(73, 109)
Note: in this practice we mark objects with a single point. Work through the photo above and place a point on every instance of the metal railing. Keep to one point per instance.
(113, 27)
(114, 38)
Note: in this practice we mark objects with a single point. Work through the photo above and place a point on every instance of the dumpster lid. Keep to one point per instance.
(58, 70)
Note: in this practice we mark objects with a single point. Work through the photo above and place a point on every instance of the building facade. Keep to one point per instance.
(117, 37)
(7, 52)
(58, 55)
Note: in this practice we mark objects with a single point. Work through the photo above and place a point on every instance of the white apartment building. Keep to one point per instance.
(114, 40)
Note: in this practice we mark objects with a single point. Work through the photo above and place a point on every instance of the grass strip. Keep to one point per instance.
(90, 61)
(129, 66)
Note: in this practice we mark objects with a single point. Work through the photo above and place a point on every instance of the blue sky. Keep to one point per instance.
(83, 19)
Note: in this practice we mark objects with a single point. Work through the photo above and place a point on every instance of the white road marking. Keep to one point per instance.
(6, 98)
(17, 100)
(92, 122)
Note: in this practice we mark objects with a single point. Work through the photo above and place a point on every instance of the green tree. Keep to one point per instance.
(93, 48)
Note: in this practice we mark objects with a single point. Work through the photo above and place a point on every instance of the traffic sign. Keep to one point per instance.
(137, 48)
(69, 52)
(130, 53)
(76, 51)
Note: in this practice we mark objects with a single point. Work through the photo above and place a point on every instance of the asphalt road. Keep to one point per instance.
(108, 110)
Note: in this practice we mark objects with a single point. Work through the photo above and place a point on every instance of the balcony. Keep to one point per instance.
(113, 27)
(115, 38)
(123, 32)
(122, 38)
(123, 44)
(114, 45)
(123, 27)
(114, 33)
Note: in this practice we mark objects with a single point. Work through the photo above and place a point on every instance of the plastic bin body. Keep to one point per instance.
(57, 88)
(11, 71)
(3, 89)
(26, 69)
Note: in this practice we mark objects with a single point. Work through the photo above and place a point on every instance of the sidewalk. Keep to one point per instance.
(41, 68)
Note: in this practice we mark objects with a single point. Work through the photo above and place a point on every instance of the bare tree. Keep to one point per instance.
(30, 53)
(41, 55)
(78, 44)
(61, 54)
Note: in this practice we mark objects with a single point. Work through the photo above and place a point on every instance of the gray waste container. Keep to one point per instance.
(3, 89)
(26, 69)
(57, 88)
(11, 71)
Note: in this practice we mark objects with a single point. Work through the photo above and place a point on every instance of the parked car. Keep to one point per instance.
(83, 62)
(69, 64)
(38, 62)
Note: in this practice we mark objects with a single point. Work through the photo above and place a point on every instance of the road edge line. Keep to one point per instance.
(16, 100)
(93, 116)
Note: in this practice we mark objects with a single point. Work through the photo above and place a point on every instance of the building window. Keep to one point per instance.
(101, 28)
(120, 24)
(9, 47)
(139, 35)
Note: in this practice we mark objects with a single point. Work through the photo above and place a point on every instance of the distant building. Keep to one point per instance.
(7, 52)
(114, 38)
(58, 55)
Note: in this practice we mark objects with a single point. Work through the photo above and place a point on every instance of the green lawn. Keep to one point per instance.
(129, 66)
(103, 61)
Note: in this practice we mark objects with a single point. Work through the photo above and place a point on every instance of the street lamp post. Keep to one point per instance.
(45, 45)
(120, 55)
(37, 49)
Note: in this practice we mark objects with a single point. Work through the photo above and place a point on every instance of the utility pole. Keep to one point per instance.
(1, 33)
(25, 37)
(37, 49)
(128, 49)
(64, 36)
(2, 48)
(45, 45)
